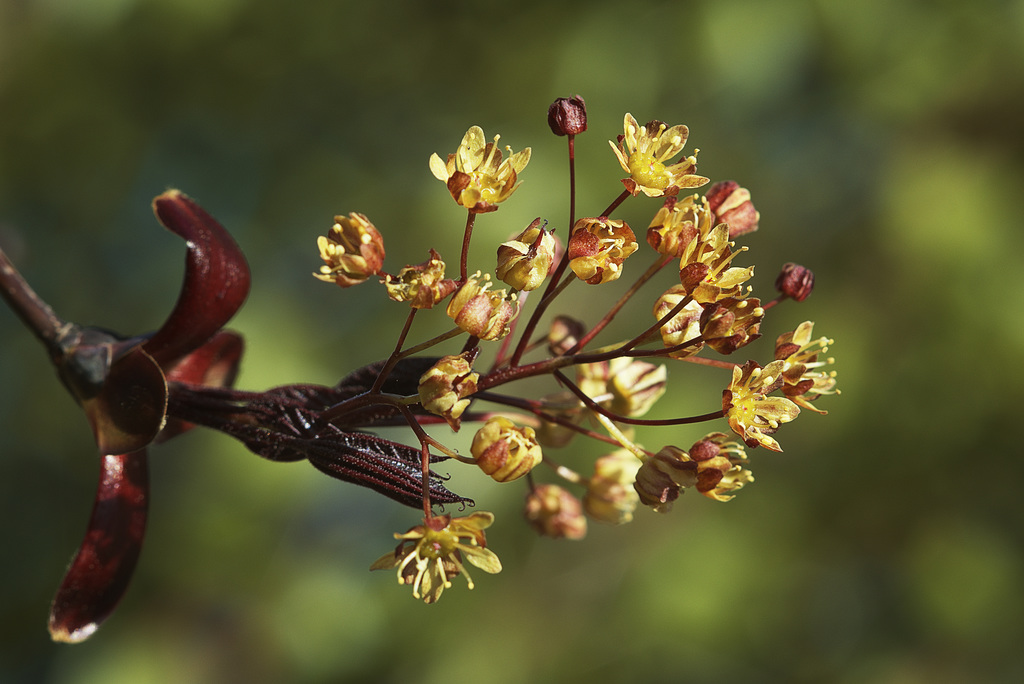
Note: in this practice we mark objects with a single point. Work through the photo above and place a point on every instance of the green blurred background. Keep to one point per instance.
(882, 144)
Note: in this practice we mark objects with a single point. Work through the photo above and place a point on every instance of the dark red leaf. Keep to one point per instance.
(216, 279)
(103, 566)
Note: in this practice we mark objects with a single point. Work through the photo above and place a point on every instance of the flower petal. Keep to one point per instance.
(216, 279)
(103, 566)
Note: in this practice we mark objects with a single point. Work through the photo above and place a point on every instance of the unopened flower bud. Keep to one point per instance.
(563, 334)
(352, 251)
(732, 205)
(422, 285)
(731, 323)
(504, 450)
(524, 262)
(610, 495)
(568, 116)
(795, 281)
(481, 311)
(597, 247)
(445, 388)
(554, 512)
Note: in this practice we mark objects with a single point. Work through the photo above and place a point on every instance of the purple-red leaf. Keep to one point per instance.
(100, 571)
(216, 279)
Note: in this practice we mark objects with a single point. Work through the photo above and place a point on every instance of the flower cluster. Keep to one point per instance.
(150, 388)
(709, 306)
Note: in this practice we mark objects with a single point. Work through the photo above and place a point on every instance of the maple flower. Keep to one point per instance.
(804, 379)
(422, 285)
(683, 326)
(444, 389)
(504, 450)
(476, 175)
(731, 204)
(481, 311)
(678, 224)
(713, 466)
(643, 153)
(626, 386)
(524, 261)
(731, 323)
(704, 267)
(352, 251)
(720, 466)
(554, 512)
(752, 414)
(597, 247)
(430, 555)
(610, 495)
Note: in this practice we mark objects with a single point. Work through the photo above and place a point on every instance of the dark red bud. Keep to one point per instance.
(568, 116)
(795, 281)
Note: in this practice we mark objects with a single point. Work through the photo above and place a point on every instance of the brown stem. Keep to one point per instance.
(594, 406)
(572, 180)
(533, 406)
(33, 311)
(615, 205)
(647, 275)
(649, 333)
(396, 354)
(467, 235)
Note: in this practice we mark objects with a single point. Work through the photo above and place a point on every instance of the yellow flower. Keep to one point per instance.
(481, 311)
(643, 153)
(610, 495)
(445, 388)
(476, 175)
(524, 261)
(554, 512)
(731, 323)
(683, 326)
(678, 224)
(422, 285)
(713, 466)
(751, 413)
(704, 268)
(720, 468)
(626, 386)
(504, 450)
(429, 555)
(804, 379)
(597, 247)
(352, 251)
